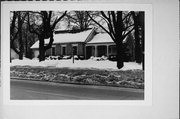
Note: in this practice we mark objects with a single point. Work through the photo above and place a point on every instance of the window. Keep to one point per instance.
(63, 50)
(112, 49)
(74, 50)
(53, 51)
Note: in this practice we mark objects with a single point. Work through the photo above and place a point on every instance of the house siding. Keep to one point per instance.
(58, 49)
(69, 49)
(48, 52)
(87, 49)
(81, 49)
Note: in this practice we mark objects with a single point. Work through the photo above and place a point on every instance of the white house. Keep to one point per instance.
(87, 43)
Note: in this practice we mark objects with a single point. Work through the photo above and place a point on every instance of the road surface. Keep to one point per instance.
(38, 90)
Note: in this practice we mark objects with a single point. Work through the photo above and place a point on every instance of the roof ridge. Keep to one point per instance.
(71, 31)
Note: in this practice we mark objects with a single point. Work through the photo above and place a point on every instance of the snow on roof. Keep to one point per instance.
(79, 37)
(104, 38)
(101, 38)
(66, 38)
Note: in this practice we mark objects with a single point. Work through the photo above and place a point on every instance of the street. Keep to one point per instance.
(38, 90)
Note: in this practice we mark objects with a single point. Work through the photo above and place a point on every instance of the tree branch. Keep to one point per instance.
(103, 14)
(49, 17)
(57, 20)
(114, 18)
(98, 24)
(12, 43)
(51, 40)
(111, 35)
(126, 16)
(125, 34)
(12, 46)
(111, 31)
(128, 27)
(13, 23)
(70, 17)
(31, 29)
(111, 26)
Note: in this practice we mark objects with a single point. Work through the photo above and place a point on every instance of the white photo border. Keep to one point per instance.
(62, 6)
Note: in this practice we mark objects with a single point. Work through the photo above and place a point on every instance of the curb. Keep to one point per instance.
(75, 83)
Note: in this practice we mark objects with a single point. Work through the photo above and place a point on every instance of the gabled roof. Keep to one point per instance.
(101, 38)
(105, 38)
(67, 38)
(84, 37)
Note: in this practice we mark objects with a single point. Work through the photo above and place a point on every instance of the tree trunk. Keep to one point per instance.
(21, 54)
(50, 42)
(138, 57)
(141, 21)
(120, 55)
(21, 47)
(118, 25)
(41, 49)
(26, 43)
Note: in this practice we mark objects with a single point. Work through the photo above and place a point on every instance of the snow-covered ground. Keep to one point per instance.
(105, 64)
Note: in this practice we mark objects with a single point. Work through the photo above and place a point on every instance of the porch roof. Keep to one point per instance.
(67, 38)
(101, 38)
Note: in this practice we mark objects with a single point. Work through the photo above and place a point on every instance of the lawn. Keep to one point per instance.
(89, 76)
(90, 63)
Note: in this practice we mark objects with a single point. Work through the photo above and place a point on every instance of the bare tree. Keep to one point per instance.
(138, 18)
(28, 40)
(43, 24)
(118, 30)
(16, 40)
(79, 20)
(13, 30)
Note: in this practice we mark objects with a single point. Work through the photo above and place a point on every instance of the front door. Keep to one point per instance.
(74, 50)
(88, 52)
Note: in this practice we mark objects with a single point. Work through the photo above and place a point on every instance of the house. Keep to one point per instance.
(66, 44)
(86, 44)
(100, 45)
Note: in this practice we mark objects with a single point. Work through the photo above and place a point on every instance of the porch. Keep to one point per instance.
(99, 50)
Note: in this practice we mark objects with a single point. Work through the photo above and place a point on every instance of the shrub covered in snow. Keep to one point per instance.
(54, 58)
(67, 57)
(98, 58)
(76, 57)
(129, 78)
(112, 58)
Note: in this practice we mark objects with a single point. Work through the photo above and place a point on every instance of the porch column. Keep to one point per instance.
(85, 52)
(95, 50)
(107, 50)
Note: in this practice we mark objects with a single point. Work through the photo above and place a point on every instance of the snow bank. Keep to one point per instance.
(105, 64)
